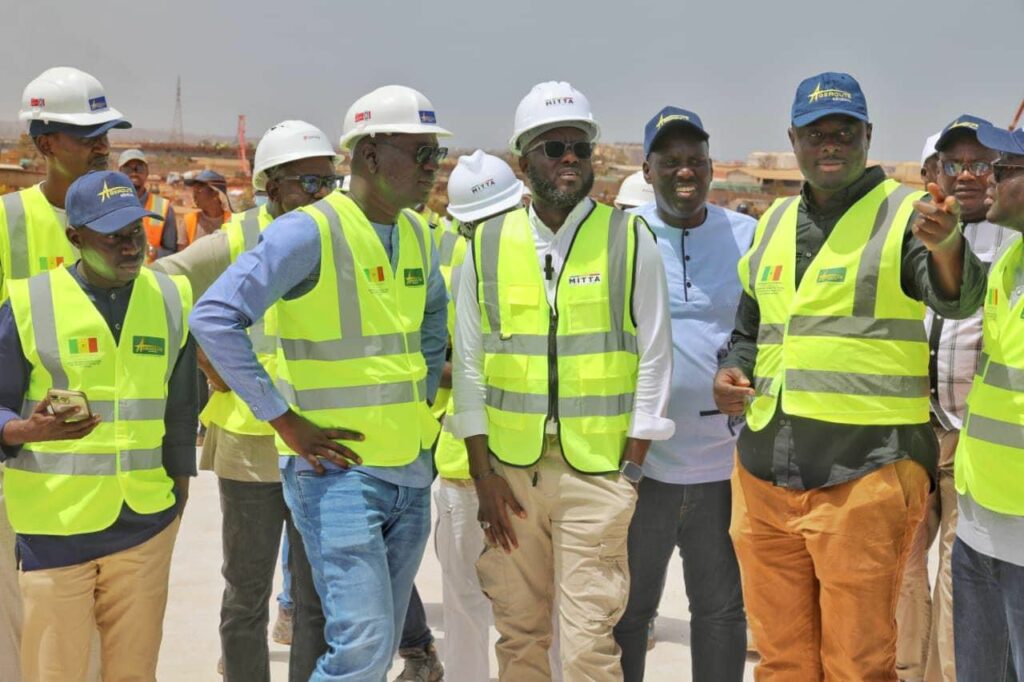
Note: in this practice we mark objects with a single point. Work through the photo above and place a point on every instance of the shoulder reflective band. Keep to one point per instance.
(448, 241)
(488, 236)
(251, 229)
(175, 324)
(769, 231)
(866, 293)
(40, 296)
(14, 207)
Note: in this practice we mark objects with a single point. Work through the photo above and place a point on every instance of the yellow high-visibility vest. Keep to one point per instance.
(989, 463)
(72, 487)
(225, 408)
(32, 237)
(348, 352)
(846, 346)
(451, 457)
(577, 363)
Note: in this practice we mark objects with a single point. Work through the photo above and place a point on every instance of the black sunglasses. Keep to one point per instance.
(425, 153)
(975, 168)
(311, 183)
(556, 149)
(1004, 171)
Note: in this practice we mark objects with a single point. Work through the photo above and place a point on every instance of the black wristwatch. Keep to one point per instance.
(631, 471)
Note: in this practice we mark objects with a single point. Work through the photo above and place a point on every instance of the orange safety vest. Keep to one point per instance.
(192, 224)
(155, 228)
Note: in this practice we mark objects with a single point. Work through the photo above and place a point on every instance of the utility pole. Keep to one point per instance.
(177, 125)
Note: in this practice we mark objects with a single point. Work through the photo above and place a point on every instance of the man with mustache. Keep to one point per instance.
(69, 118)
(830, 365)
(561, 381)
(361, 309)
(925, 645)
(988, 554)
(96, 498)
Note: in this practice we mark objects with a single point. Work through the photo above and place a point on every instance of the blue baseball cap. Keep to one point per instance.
(962, 124)
(671, 117)
(104, 202)
(37, 128)
(1005, 141)
(826, 94)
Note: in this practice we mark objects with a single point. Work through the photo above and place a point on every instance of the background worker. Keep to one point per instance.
(361, 341)
(930, 171)
(578, 286)
(684, 498)
(294, 165)
(634, 191)
(831, 483)
(925, 649)
(96, 502)
(210, 195)
(988, 553)
(162, 236)
(68, 120)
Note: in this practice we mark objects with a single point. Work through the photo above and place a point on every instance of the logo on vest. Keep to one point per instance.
(831, 275)
(83, 345)
(148, 345)
(770, 281)
(50, 262)
(583, 280)
(413, 277)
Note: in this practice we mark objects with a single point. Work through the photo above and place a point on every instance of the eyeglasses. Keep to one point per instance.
(425, 153)
(1004, 171)
(975, 168)
(311, 183)
(556, 149)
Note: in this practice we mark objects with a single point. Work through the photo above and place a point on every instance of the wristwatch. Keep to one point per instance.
(631, 471)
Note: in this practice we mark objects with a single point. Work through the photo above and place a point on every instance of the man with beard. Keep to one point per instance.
(561, 381)
(925, 624)
(361, 311)
(829, 363)
(161, 236)
(684, 499)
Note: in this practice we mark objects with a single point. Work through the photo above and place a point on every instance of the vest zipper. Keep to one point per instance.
(552, 344)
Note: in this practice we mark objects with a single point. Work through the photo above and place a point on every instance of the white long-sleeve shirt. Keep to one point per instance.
(653, 332)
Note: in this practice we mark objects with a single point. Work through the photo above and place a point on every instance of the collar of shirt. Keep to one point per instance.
(572, 222)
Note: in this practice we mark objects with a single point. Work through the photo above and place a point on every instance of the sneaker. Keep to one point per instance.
(282, 633)
(651, 639)
(421, 665)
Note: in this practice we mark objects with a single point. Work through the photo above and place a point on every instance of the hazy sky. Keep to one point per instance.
(734, 63)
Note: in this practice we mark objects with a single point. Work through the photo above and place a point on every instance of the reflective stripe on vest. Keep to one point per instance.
(17, 234)
(69, 346)
(33, 237)
(989, 460)
(589, 340)
(848, 353)
(349, 349)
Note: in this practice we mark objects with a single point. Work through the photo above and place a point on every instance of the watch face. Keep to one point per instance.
(632, 471)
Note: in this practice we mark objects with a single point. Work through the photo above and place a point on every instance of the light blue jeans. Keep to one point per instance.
(364, 539)
(284, 598)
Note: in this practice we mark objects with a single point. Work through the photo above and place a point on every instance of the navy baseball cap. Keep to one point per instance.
(963, 124)
(1005, 141)
(671, 117)
(826, 94)
(211, 178)
(104, 202)
(37, 128)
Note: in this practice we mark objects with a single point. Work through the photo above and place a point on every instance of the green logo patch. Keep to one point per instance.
(832, 275)
(148, 345)
(413, 277)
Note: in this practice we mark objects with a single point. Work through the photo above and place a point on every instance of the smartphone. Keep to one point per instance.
(62, 400)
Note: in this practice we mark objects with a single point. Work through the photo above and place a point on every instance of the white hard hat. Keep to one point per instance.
(481, 186)
(69, 96)
(634, 191)
(551, 105)
(390, 109)
(288, 141)
(346, 184)
(131, 155)
(929, 147)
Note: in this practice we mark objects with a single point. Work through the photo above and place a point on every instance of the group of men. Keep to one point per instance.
(594, 388)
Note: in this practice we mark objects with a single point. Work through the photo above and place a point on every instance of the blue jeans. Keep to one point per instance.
(364, 539)
(695, 520)
(988, 617)
(284, 599)
(416, 633)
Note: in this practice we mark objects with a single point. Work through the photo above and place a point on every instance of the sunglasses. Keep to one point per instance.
(311, 183)
(1005, 171)
(975, 168)
(556, 149)
(425, 153)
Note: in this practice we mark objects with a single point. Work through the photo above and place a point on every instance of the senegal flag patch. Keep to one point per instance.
(148, 345)
(83, 345)
(413, 277)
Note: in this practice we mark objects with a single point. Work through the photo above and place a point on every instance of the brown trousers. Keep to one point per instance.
(821, 571)
(572, 549)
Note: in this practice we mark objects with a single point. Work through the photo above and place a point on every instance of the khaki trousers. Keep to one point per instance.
(123, 594)
(924, 621)
(572, 544)
(821, 571)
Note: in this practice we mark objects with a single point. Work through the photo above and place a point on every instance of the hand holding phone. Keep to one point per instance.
(54, 418)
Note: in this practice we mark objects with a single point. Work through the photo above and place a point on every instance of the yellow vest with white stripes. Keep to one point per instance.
(32, 238)
(451, 457)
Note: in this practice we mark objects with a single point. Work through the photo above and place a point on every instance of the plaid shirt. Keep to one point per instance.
(956, 344)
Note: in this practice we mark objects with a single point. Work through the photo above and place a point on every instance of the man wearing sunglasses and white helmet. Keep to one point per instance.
(561, 382)
(361, 315)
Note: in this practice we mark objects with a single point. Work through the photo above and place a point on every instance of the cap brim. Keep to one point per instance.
(811, 117)
(1000, 140)
(947, 137)
(676, 125)
(102, 128)
(115, 221)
